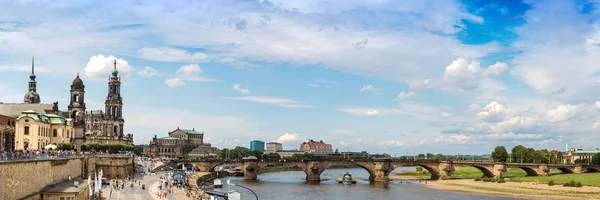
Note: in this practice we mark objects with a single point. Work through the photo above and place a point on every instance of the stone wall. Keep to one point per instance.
(25, 179)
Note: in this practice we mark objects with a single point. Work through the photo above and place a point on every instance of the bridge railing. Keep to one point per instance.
(7, 157)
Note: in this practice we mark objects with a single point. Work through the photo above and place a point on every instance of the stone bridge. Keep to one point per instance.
(378, 169)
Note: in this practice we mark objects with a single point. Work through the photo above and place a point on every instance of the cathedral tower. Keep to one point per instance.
(76, 106)
(32, 96)
(114, 105)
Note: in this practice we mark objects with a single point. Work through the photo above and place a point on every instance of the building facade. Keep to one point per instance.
(579, 154)
(7, 133)
(257, 145)
(273, 147)
(34, 130)
(97, 126)
(316, 147)
(179, 142)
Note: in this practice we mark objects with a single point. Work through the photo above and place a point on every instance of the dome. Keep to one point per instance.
(31, 97)
(77, 81)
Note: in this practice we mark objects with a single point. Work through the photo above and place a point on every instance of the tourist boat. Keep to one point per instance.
(347, 179)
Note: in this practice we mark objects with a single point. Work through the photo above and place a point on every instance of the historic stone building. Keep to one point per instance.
(316, 147)
(95, 127)
(34, 130)
(180, 142)
(7, 133)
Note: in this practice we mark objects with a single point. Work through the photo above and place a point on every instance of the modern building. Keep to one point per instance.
(274, 147)
(179, 142)
(315, 147)
(35, 130)
(257, 145)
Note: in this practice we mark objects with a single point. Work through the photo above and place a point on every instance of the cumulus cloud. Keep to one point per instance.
(289, 138)
(493, 112)
(370, 88)
(101, 66)
(564, 113)
(239, 88)
(405, 95)
(191, 72)
(393, 143)
(496, 69)
(147, 71)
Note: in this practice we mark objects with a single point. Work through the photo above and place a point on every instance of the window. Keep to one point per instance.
(26, 131)
(67, 133)
(27, 120)
(54, 133)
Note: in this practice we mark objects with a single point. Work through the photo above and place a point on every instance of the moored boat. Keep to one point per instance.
(347, 179)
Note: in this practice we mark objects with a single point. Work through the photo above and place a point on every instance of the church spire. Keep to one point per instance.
(32, 76)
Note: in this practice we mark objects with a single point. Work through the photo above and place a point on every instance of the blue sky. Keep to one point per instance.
(382, 76)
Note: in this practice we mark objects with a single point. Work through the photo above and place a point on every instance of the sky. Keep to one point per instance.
(437, 76)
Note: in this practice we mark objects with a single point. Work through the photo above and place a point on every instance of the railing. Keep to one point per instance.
(16, 157)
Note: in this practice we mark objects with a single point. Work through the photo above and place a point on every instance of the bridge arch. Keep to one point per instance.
(435, 175)
(529, 171)
(486, 172)
(591, 169)
(564, 170)
(187, 166)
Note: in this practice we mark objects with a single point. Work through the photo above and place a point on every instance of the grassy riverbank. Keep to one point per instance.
(517, 184)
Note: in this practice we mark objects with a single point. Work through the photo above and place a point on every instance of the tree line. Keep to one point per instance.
(522, 154)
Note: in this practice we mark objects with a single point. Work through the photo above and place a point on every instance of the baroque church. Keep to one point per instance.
(97, 126)
(39, 124)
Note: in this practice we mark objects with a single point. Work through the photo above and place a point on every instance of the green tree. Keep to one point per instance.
(518, 154)
(421, 155)
(139, 149)
(385, 155)
(559, 158)
(596, 159)
(439, 156)
(544, 156)
(430, 156)
(499, 154)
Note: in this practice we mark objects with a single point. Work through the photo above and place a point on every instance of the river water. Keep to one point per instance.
(291, 185)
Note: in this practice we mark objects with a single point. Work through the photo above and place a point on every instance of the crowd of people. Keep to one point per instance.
(49, 154)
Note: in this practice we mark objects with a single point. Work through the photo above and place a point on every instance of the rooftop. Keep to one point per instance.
(66, 186)
(15, 109)
(193, 131)
(170, 138)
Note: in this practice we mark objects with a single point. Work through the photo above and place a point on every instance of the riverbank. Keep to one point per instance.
(517, 184)
(527, 190)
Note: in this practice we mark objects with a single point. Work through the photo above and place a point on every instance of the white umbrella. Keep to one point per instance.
(50, 146)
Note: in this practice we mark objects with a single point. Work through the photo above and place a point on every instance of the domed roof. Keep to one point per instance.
(31, 97)
(77, 81)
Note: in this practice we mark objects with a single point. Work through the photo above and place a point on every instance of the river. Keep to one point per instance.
(290, 185)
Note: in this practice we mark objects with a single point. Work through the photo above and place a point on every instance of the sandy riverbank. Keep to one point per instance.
(526, 190)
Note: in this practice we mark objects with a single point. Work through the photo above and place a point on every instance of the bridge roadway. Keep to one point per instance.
(378, 169)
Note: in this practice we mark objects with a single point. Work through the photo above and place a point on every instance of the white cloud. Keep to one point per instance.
(289, 138)
(463, 74)
(281, 102)
(445, 114)
(174, 82)
(168, 54)
(597, 104)
(147, 71)
(496, 69)
(453, 139)
(372, 112)
(405, 95)
(101, 66)
(493, 112)
(239, 88)
(191, 72)
(370, 88)
(564, 113)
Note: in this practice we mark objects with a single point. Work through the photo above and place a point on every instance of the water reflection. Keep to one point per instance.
(292, 185)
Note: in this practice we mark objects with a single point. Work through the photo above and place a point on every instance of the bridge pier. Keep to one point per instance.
(380, 172)
(542, 170)
(578, 169)
(313, 171)
(250, 170)
(445, 170)
(499, 170)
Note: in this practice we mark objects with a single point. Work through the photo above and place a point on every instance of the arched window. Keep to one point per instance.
(54, 133)
(26, 131)
(115, 129)
(75, 98)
